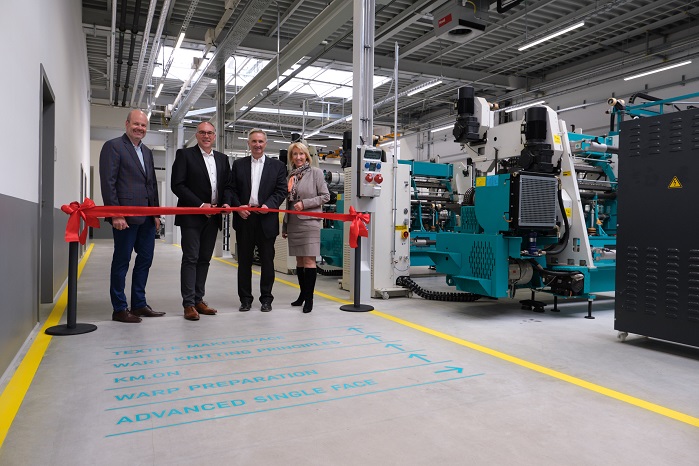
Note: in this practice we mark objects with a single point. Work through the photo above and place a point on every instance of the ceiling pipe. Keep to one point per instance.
(154, 51)
(112, 47)
(122, 31)
(144, 48)
(134, 33)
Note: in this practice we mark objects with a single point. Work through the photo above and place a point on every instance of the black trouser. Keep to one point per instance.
(197, 247)
(248, 236)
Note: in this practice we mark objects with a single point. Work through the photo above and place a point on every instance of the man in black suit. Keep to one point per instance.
(127, 178)
(200, 178)
(258, 181)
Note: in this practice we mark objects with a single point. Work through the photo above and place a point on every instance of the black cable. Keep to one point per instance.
(561, 245)
(407, 282)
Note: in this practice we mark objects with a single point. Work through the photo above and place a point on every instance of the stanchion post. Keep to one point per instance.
(357, 307)
(72, 327)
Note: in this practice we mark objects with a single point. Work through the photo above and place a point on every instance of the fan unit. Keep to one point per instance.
(461, 21)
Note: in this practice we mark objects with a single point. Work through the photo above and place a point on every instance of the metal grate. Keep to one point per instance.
(482, 260)
(537, 201)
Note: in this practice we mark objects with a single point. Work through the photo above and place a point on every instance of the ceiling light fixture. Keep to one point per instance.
(165, 130)
(442, 128)
(551, 36)
(424, 87)
(665, 68)
(523, 106)
(281, 142)
(160, 88)
(179, 42)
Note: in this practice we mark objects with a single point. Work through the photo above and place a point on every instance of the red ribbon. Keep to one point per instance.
(76, 212)
(89, 213)
(358, 226)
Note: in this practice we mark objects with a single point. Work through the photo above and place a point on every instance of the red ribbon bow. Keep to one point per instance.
(76, 212)
(358, 226)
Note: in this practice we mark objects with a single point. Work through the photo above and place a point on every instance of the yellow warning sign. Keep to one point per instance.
(675, 183)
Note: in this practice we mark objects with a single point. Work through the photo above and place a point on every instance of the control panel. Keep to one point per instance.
(369, 176)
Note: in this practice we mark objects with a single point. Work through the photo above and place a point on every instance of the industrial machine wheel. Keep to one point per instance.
(384, 295)
(622, 336)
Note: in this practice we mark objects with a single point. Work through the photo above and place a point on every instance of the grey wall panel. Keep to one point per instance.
(60, 250)
(19, 286)
(103, 232)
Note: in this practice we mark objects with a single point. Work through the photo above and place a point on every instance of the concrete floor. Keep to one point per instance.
(415, 383)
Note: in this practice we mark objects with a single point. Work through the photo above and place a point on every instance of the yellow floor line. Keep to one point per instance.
(678, 416)
(11, 398)
(691, 420)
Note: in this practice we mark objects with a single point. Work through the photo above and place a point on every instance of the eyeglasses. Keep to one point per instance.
(206, 133)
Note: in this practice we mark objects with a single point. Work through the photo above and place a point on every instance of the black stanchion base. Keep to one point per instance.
(357, 308)
(64, 330)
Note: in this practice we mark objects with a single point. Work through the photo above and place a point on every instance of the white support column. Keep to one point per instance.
(220, 139)
(174, 141)
(362, 125)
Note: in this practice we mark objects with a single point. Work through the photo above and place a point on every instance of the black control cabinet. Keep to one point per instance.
(657, 275)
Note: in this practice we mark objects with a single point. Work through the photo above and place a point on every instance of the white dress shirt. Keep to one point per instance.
(256, 167)
(211, 169)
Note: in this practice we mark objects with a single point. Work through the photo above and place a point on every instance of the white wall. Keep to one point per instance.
(32, 33)
(36, 33)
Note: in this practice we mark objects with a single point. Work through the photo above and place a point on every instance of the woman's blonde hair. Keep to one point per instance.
(299, 146)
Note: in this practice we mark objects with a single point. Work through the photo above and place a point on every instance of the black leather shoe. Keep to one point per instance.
(244, 307)
(266, 307)
(126, 317)
(147, 312)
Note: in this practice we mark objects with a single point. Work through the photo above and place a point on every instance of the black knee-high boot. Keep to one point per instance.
(300, 273)
(310, 285)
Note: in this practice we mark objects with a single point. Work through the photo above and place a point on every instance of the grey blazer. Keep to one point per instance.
(313, 192)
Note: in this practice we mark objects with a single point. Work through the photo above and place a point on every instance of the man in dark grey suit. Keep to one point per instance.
(258, 181)
(200, 178)
(127, 178)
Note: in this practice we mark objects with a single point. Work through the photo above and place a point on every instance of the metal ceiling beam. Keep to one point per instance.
(490, 30)
(287, 14)
(404, 19)
(428, 69)
(144, 49)
(576, 15)
(385, 63)
(417, 44)
(328, 21)
(246, 20)
(154, 52)
(621, 37)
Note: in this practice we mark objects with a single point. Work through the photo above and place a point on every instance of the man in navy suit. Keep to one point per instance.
(258, 181)
(127, 176)
(200, 178)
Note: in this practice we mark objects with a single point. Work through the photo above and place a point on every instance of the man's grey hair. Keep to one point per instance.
(256, 130)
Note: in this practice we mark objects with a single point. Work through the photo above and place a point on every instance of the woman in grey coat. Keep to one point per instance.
(307, 192)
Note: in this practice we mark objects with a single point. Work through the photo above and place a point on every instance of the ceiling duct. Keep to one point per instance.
(461, 21)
